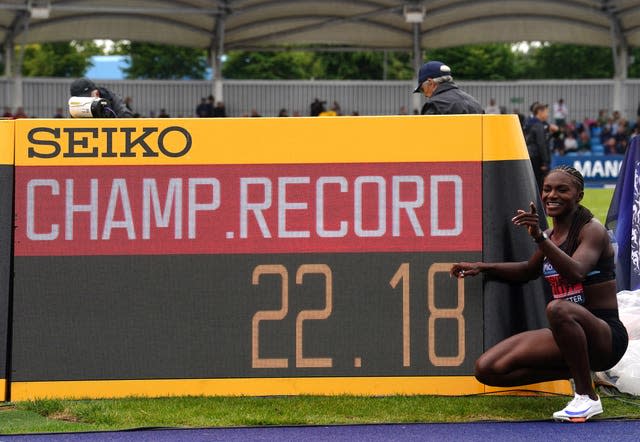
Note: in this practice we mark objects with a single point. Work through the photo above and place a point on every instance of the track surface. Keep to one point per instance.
(597, 430)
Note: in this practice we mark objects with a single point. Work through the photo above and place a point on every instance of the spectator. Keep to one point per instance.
(560, 113)
(128, 101)
(202, 109)
(335, 107)
(20, 113)
(255, 113)
(163, 114)
(493, 108)
(606, 133)
(210, 105)
(538, 143)
(603, 118)
(317, 107)
(530, 119)
(219, 110)
(58, 113)
(610, 146)
(283, 113)
(435, 81)
(621, 146)
(7, 112)
(521, 117)
(616, 118)
(622, 130)
(403, 110)
(570, 142)
(83, 87)
(584, 141)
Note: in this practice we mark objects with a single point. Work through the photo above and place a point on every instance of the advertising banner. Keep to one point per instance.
(598, 170)
(253, 256)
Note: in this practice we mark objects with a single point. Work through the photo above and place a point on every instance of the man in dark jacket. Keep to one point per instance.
(537, 138)
(444, 97)
(83, 87)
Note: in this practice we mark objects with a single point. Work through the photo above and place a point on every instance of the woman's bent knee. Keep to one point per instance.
(557, 311)
(484, 372)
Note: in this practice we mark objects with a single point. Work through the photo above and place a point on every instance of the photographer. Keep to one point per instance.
(116, 108)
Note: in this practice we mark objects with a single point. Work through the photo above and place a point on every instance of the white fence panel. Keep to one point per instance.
(41, 96)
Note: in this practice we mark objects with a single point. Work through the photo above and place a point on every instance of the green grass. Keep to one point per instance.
(91, 415)
(598, 200)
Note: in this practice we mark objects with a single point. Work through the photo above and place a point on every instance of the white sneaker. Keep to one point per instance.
(581, 408)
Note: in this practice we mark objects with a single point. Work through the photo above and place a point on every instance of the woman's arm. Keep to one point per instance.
(592, 240)
(508, 271)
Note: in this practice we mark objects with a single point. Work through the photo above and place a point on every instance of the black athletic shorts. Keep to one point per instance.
(619, 336)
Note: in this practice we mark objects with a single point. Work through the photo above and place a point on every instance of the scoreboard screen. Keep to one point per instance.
(249, 256)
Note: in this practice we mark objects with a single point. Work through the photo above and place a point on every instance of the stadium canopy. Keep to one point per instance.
(407, 25)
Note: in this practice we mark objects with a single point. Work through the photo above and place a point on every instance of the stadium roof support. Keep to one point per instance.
(221, 25)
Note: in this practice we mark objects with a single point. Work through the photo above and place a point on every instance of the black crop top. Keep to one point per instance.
(604, 270)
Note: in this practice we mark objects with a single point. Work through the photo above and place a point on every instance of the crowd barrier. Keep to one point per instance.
(260, 256)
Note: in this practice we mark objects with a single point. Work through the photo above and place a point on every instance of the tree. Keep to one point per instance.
(293, 64)
(266, 65)
(156, 61)
(496, 61)
(563, 61)
(364, 65)
(58, 59)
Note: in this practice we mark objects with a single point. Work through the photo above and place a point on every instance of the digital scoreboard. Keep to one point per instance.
(253, 256)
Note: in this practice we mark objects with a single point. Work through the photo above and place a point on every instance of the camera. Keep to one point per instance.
(89, 107)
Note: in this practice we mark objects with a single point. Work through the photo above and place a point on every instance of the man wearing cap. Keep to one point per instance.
(538, 139)
(83, 87)
(443, 95)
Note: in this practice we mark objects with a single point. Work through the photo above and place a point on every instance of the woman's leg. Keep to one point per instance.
(525, 358)
(583, 339)
(577, 342)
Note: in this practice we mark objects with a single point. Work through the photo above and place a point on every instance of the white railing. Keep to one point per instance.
(41, 96)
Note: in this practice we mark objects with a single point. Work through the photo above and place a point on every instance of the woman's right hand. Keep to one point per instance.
(464, 269)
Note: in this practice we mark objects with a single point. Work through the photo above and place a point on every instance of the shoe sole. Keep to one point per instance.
(576, 420)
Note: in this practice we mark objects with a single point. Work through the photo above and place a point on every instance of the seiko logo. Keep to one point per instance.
(108, 142)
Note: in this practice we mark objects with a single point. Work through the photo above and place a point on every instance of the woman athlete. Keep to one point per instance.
(577, 259)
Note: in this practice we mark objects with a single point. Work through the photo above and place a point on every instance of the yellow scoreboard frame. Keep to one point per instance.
(290, 257)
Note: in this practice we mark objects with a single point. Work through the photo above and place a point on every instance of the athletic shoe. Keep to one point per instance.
(581, 408)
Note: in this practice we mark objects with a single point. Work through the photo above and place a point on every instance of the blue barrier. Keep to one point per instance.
(598, 170)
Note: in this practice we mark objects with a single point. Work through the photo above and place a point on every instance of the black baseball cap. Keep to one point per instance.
(82, 87)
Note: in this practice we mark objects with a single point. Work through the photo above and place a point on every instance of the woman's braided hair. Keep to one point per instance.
(582, 215)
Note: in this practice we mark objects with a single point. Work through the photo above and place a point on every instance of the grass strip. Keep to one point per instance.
(196, 412)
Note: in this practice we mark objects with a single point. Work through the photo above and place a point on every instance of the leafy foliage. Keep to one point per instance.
(479, 62)
(156, 61)
(58, 59)
(293, 64)
(571, 61)
(278, 65)
(495, 61)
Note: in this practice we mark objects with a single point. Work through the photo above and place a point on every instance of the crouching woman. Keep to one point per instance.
(585, 334)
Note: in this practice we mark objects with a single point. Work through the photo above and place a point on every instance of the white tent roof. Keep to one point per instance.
(380, 24)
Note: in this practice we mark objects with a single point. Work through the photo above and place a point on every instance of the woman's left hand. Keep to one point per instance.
(529, 220)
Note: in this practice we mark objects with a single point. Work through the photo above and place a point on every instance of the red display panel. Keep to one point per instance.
(229, 209)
